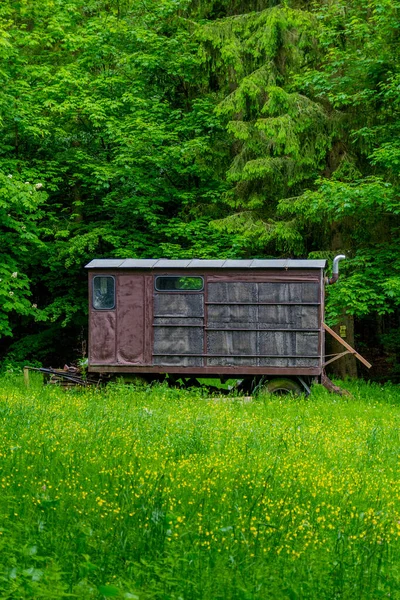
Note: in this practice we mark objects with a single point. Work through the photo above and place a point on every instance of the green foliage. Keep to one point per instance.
(357, 207)
(20, 210)
(364, 215)
(194, 129)
(102, 103)
(313, 111)
(282, 135)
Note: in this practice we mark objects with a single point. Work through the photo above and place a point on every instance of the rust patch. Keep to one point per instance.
(130, 319)
(102, 337)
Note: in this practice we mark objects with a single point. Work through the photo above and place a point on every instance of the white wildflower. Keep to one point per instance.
(34, 305)
(11, 293)
(9, 176)
(15, 274)
(38, 186)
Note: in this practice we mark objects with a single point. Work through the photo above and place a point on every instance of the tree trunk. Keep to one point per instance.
(347, 365)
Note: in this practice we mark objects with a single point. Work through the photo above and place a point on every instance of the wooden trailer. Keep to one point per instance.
(254, 320)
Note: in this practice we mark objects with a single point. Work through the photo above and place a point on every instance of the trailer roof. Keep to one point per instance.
(164, 263)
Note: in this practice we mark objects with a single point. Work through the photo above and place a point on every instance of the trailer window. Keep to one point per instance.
(103, 292)
(179, 284)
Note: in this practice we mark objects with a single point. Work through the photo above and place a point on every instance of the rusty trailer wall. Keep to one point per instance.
(240, 321)
(121, 336)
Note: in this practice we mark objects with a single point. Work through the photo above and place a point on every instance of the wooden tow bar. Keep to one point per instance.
(326, 382)
(349, 349)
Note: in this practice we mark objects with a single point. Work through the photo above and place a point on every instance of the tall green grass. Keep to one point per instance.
(160, 493)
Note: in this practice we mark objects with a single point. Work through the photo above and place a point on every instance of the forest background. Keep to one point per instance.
(212, 128)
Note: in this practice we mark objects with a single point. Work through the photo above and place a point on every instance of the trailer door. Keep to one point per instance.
(131, 319)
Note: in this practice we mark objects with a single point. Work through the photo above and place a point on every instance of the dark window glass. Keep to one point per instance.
(179, 284)
(103, 292)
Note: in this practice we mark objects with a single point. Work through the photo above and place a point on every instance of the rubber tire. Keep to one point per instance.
(282, 386)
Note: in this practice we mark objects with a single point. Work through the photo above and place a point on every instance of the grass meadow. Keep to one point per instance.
(155, 493)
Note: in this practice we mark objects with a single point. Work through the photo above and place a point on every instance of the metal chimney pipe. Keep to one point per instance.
(335, 269)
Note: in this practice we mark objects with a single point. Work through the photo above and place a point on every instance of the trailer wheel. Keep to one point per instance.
(283, 386)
